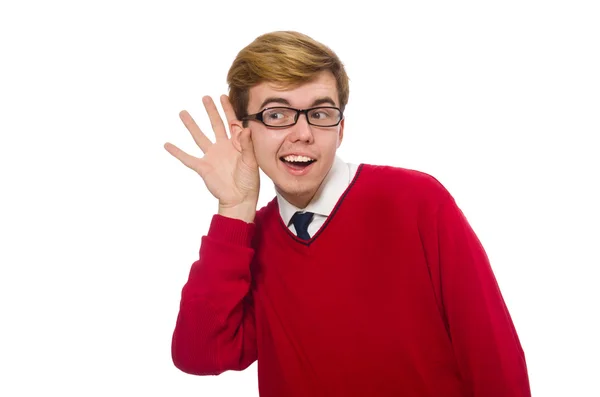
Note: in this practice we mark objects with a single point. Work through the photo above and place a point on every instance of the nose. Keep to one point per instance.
(301, 131)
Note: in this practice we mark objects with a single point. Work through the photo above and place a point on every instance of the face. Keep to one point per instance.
(272, 146)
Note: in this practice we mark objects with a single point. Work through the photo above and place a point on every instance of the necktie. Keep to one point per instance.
(301, 221)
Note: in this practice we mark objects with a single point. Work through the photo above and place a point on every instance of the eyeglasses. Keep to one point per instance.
(324, 116)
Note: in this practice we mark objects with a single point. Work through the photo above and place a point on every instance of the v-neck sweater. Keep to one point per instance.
(393, 296)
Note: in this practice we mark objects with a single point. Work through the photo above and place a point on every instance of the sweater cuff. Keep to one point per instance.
(234, 231)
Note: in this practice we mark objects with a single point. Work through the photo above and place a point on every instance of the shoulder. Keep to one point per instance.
(409, 185)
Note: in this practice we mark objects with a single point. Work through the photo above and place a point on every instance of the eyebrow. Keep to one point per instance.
(283, 101)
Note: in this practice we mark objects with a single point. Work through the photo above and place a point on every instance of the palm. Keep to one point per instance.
(225, 174)
(229, 172)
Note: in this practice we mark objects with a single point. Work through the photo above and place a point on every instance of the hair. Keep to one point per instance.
(287, 59)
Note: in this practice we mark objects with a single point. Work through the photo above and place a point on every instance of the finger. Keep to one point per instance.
(215, 119)
(228, 109)
(188, 160)
(201, 140)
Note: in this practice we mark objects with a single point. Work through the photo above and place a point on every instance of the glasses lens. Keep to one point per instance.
(324, 116)
(279, 117)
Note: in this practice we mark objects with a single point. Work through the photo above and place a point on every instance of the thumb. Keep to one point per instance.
(246, 144)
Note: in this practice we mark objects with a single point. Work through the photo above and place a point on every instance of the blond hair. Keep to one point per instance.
(287, 59)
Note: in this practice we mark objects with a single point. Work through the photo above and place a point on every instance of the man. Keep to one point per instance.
(355, 280)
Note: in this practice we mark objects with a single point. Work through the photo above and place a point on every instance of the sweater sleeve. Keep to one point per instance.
(215, 330)
(484, 339)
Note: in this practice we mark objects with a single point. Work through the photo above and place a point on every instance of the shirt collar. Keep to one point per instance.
(335, 183)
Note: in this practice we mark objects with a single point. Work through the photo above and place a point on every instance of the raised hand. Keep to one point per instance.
(228, 167)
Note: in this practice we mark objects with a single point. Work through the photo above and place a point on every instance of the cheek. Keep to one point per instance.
(329, 143)
(266, 146)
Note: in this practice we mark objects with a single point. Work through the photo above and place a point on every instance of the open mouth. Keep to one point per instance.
(297, 162)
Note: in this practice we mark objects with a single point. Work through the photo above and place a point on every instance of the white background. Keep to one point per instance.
(99, 224)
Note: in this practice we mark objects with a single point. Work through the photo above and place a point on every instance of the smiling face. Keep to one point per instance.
(272, 146)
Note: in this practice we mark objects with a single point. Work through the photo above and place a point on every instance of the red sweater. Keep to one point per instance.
(394, 296)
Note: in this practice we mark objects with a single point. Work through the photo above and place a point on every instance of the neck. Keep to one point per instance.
(300, 201)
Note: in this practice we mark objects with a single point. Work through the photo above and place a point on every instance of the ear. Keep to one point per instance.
(236, 129)
(341, 133)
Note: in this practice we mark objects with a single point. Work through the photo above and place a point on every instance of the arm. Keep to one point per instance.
(484, 339)
(215, 329)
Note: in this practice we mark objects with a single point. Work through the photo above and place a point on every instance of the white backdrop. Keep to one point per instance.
(99, 224)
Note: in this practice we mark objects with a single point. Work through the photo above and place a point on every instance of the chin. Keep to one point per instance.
(298, 193)
(293, 188)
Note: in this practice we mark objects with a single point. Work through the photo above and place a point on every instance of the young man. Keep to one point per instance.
(355, 280)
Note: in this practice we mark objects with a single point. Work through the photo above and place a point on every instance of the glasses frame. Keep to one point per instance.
(259, 116)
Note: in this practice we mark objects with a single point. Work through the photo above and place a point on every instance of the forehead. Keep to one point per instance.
(301, 96)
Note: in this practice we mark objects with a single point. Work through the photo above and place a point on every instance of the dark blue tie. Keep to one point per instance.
(301, 221)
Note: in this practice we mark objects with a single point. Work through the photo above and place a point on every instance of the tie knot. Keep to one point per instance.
(301, 221)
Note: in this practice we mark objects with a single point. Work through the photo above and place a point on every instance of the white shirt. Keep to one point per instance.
(334, 185)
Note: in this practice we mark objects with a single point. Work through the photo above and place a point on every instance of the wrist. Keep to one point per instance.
(244, 211)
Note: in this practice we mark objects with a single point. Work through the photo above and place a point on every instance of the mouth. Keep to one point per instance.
(297, 165)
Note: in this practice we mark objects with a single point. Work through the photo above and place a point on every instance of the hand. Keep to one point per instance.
(228, 167)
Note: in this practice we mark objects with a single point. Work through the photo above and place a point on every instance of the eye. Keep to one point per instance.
(320, 114)
(275, 115)
(279, 117)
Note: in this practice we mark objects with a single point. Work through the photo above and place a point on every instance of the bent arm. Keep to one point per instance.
(215, 330)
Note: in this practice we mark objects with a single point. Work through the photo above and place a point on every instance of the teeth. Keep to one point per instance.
(297, 159)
